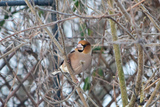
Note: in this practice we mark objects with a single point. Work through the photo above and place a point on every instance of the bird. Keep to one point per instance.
(80, 59)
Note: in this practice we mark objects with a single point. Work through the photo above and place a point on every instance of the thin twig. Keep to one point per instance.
(149, 16)
(46, 29)
(153, 94)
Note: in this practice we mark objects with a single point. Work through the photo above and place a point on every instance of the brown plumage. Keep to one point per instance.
(81, 54)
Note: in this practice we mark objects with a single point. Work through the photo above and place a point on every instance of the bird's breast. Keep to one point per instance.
(80, 62)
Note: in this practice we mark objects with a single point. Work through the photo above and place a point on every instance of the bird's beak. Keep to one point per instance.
(79, 47)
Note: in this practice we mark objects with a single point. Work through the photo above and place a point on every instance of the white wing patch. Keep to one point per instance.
(64, 69)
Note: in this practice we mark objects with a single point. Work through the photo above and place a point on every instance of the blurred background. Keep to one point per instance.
(28, 55)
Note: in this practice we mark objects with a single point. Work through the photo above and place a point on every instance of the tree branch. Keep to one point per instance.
(118, 60)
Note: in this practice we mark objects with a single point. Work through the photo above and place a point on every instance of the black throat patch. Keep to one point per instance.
(83, 48)
(80, 50)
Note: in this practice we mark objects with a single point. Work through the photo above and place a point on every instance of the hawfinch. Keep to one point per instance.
(81, 54)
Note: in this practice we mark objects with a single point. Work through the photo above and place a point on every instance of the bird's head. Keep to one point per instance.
(84, 47)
